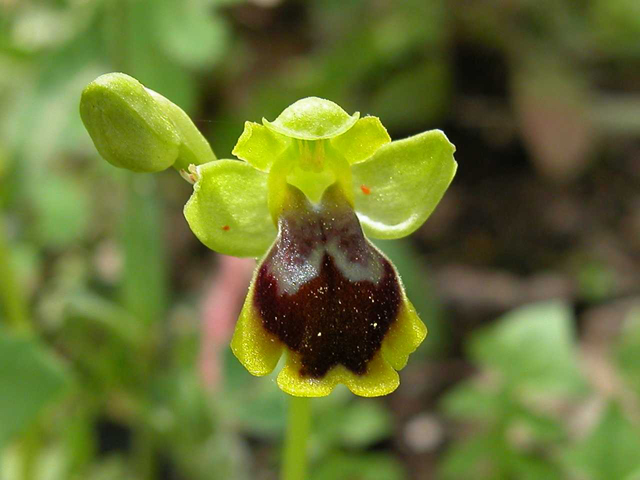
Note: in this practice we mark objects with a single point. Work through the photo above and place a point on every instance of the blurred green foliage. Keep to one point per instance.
(628, 348)
(27, 374)
(99, 277)
(521, 411)
(599, 457)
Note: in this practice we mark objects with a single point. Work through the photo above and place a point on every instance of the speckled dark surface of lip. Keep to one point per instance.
(325, 291)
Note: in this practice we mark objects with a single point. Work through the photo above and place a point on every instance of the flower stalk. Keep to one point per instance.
(294, 460)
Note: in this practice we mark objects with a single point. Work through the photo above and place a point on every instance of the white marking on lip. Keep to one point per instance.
(322, 229)
(369, 269)
(388, 229)
(291, 275)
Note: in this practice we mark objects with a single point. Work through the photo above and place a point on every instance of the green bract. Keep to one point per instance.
(138, 129)
(393, 186)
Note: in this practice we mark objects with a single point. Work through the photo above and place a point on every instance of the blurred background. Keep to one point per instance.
(115, 321)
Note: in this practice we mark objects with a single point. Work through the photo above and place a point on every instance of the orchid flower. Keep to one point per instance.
(308, 191)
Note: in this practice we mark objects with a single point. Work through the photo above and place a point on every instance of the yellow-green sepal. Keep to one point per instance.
(194, 148)
(228, 209)
(260, 146)
(128, 127)
(312, 118)
(362, 140)
(402, 183)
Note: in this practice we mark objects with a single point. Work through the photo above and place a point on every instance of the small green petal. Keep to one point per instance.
(259, 146)
(362, 140)
(128, 127)
(312, 118)
(194, 148)
(397, 189)
(228, 209)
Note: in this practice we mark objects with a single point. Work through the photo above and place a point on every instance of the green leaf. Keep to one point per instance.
(30, 378)
(533, 348)
(312, 118)
(260, 146)
(611, 449)
(128, 127)
(228, 210)
(401, 184)
(362, 140)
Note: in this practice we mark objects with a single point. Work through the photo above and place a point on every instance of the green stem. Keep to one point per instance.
(295, 448)
(11, 295)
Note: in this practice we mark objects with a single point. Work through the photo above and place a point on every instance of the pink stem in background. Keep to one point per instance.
(220, 308)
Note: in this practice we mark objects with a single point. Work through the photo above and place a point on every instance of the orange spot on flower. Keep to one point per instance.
(366, 190)
(226, 228)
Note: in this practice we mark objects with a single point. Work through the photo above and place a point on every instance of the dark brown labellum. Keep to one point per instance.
(324, 290)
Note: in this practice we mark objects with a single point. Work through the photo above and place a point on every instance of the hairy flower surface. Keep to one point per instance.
(309, 187)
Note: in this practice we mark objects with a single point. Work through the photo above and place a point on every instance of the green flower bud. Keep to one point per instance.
(128, 127)
(194, 149)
